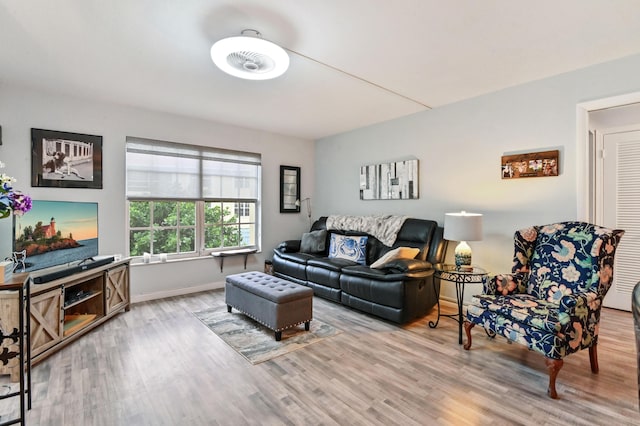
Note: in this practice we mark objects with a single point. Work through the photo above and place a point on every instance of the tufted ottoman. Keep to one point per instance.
(273, 302)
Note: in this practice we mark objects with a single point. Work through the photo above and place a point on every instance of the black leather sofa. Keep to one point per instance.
(400, 292)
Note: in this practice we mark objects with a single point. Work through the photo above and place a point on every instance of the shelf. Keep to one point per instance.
(85, 297)
(90, 295)
(73, 323)
(240, 252)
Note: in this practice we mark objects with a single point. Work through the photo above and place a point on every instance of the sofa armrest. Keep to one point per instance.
(290, 246)
(505, 284)
(408, 265)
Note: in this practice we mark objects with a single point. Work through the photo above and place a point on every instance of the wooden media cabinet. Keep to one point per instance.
(62, 310)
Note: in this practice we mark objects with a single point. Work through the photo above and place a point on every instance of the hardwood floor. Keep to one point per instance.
(159, 365)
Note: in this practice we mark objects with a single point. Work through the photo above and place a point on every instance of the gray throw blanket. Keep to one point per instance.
(384, 227)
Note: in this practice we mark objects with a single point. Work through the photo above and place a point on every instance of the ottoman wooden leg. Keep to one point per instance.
(228, 308)
(306, 325)
(278, 336)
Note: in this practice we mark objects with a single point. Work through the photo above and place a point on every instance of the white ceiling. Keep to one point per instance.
(155, 53)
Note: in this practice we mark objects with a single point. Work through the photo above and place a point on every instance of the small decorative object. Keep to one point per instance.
(12, 200)
(389, 181)
(534, 164)
(65, 160)
(463, 227)
(289, 189)
(6, 269)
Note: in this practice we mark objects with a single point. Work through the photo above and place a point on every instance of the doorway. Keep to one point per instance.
(595, 119)
(617, 203)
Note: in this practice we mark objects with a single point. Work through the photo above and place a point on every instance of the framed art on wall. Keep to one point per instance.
(389, 181)
(289, 189)
(65, 160)
(532, 164)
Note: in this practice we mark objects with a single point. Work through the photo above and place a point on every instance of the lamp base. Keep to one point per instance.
(463, 254)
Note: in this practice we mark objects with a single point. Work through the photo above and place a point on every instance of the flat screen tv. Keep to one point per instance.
(56, 233)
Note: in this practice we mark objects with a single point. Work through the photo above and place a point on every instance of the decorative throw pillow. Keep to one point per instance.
(313, 242)
(349, 247)
(398, 253)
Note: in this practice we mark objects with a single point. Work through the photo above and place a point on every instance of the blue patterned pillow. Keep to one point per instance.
(349, 247)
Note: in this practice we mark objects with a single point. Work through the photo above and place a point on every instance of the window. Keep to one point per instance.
(190, 201)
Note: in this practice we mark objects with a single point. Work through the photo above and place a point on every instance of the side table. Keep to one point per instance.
(12, 334)
(460, 275)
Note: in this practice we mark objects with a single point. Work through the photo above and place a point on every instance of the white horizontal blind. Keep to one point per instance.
(157, 170)
(628, 216)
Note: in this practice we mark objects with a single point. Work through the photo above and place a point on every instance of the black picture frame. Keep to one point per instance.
(65, 159)
(289, 189)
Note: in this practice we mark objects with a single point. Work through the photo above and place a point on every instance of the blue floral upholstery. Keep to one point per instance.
(551, 301)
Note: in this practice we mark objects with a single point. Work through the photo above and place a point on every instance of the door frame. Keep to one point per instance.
(583, 165)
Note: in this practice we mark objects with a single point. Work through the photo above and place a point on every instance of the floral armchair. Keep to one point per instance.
(552, 299)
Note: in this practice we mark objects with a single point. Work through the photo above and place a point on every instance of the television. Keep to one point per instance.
(55, 233)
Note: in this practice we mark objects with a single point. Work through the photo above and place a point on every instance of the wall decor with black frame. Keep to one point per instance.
(65, 160)
(289, 189)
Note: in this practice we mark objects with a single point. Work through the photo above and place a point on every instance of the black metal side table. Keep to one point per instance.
(20, 334)
(460, 275)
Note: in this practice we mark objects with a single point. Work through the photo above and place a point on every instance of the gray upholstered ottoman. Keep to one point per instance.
(273, 302)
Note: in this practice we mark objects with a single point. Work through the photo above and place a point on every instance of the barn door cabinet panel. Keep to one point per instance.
(117, 285)
(46, 320)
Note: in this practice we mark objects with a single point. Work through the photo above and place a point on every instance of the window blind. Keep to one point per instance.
(157, 169)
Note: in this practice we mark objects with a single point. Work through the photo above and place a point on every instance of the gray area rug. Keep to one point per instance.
(256, 342)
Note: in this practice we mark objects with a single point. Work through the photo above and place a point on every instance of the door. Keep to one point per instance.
(117, 288)
(46, 320)
(618, 206)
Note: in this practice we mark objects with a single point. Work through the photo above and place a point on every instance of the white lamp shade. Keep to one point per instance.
(250, 58)
(463, 226)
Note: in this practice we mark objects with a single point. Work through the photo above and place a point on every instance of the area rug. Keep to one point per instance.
(256, 342)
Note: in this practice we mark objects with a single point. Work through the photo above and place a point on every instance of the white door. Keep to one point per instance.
(618, 207)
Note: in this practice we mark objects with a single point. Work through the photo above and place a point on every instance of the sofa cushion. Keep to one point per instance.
(301, 258)
(419, 269)
(313, 242)
(350, 247)
(397, 253)
(331, 264)
(522, 308)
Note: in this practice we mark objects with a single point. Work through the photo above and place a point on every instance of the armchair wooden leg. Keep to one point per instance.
(467, 329)
(554, 366)
(593, 357)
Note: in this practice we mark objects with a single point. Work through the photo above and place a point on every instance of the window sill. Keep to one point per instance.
(155, 260)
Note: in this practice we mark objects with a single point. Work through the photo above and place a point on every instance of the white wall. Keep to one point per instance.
(459, 147)
(22, 108)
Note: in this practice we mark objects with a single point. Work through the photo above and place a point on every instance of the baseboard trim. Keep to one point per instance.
(138, 298)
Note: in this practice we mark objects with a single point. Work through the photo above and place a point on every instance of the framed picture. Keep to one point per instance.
(65, 160)
(289, 189)
(389, 181)
(533, 164)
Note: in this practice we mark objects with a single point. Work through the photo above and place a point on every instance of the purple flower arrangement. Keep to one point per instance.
(10, 199)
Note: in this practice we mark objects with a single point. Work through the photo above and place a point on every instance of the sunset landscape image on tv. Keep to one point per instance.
(57, 232)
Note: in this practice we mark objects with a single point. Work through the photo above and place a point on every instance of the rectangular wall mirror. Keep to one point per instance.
(289, 189)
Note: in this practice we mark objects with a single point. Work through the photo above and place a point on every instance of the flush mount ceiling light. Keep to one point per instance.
(250, 57)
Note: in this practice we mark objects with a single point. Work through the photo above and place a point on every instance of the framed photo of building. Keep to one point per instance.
(65, 160)
(289, 189)
(533, 164)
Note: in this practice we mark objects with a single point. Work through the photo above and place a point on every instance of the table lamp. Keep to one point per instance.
(463, 227)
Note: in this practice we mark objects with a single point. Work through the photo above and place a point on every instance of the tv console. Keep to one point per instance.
(65, 308)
